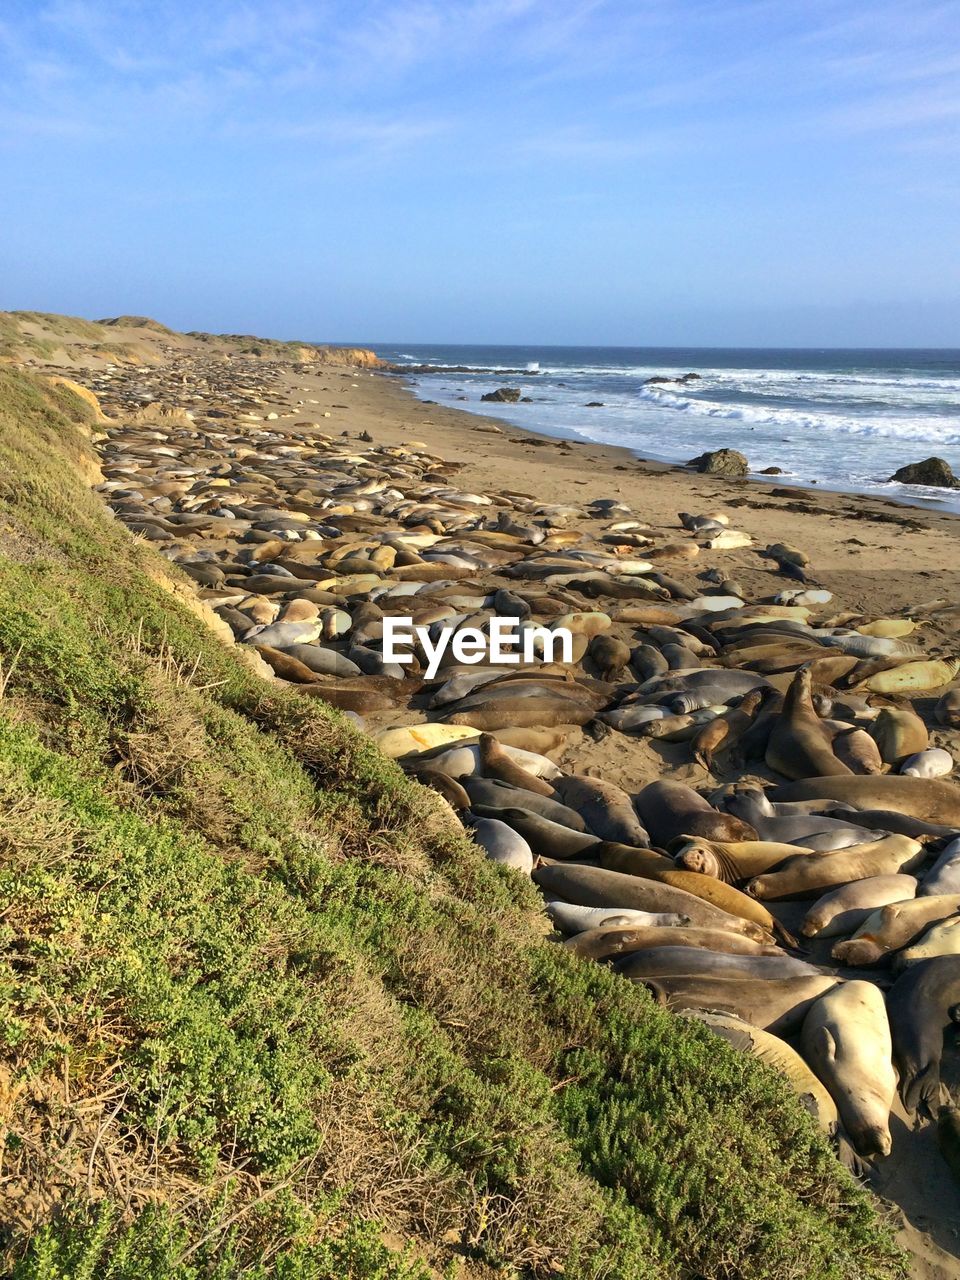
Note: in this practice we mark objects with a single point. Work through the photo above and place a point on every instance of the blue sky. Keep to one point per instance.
(754, 172)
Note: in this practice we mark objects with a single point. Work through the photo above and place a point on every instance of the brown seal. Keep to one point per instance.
(640, 862)
(846, 1039)
(799, 745)
(618, 940)
(921, 1004)
(899, 732)
(894, 926)
(731, 861)
(670, 809)
(606, 809)
(496, 763)
(778, 1005)
(596, 887)
(857, 750)
(723, 733)
(932, 799)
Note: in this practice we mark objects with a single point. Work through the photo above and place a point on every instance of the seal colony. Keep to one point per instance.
(788, 866)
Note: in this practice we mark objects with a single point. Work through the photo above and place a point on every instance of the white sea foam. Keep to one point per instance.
(847, 428)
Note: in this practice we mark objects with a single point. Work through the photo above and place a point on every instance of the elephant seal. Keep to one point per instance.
(597, 887)
(813, 832)
(896, 824)
(944, 875)
(497, 762)
(858, 751)
(571, 919)
(605, 808)
(632, 861)
(947, 709)
(941, 939)
(842, 910)
(670, 809)
(500, 795)
(648, 865)
(364, 701)
(451, 790)
(777, 1005)
(617, 940)
(463, 758)
(898, 732)
(799, 746)
(545, 712)
(807, 874)
(547, 839)
(776, 1053)
(929, 798)
(502, 844)
(919, 676)
(609, 655)
(416, 738)
(686, 691)
(893, 927)
(725, 731)
(935, 762)
(731, 861)
(674, 961)
(920, 1004)
(846, 1039)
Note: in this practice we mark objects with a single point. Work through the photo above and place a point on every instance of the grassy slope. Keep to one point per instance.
(262, 1008)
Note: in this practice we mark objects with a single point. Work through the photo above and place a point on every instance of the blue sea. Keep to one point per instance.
(845, 419)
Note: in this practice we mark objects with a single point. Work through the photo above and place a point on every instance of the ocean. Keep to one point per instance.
(843, 419)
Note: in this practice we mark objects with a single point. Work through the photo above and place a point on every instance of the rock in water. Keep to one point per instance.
(503, 395)
(931, 471)
(721, 462)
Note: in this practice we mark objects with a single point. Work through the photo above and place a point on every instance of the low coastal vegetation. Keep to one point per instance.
(265, 1011)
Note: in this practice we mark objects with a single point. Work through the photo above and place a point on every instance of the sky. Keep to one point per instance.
(631, 172)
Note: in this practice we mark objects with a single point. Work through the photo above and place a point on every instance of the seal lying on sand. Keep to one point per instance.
(670, 809)
(927, 798)
(842, 910)
(595, 887)
(809, 873)
(731, 861)
(605, 808)
(778, 1005)
(614, 940)
(846, 1039)
(894, 926)
(920, 1004)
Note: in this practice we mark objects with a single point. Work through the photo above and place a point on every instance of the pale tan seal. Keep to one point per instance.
(893, 927)
(932, 799)
(812, 873)
(846, 1039)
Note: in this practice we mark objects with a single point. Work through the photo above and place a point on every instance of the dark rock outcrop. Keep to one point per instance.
(721, 462)
(931, 471)
(662, 379)
(503, 395)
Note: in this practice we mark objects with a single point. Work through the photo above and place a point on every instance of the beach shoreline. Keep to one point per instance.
(858, 545)
(878, 557)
